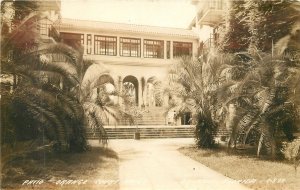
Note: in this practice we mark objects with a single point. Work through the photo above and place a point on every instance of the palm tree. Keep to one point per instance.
(36, 111)
(262, 89)
(269, 21)
(96, 99)
(265, 97)
(261, 94)
(37, 95)
(43, 90)
(195, 82)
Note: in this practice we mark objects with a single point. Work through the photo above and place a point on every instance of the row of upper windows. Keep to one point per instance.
(129, 47)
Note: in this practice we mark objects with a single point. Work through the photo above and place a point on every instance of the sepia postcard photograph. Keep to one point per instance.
(150, 95)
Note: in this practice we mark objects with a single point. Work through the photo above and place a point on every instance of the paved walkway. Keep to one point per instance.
(157, 165)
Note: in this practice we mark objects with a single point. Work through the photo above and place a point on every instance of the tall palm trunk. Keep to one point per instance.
(205, 129)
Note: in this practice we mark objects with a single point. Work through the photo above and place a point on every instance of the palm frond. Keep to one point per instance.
(19, 33)
(95, 76)
(95, 116)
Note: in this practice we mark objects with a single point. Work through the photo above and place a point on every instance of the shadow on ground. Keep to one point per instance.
(243, 166)
(95, 169)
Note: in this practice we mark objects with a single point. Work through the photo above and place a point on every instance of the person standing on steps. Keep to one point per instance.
(175, 118)
(171, 115)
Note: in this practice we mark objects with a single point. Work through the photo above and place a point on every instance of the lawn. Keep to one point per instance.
(95, 169)
(248, 170)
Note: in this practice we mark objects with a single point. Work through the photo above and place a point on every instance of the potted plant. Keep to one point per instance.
(137, 114)
(137, 134)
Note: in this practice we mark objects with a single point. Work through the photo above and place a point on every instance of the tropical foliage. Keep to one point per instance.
(192, 84)
(95, 99)
(262, 90)
(234, 37)
(258, 25)
(291, 151)
(36, 102)
(47, 89)
(266, 101)
(250, 84)
(265, 96)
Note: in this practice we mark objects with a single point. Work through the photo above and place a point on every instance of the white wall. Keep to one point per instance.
(134, 35)
(139, 67)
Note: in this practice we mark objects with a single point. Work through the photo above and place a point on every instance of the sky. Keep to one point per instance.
(167, 13)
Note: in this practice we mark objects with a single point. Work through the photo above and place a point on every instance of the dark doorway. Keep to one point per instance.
(186, 118)
(131, 85)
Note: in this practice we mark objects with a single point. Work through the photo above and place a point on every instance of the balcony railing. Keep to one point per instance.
(207, 45)
(54, 58)
(216, 4)
(58, 58)
(48, 31)
(211, 12)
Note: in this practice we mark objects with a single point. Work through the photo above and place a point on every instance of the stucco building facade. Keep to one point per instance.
(133, 54)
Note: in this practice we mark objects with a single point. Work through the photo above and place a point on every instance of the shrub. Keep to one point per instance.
(291, 151)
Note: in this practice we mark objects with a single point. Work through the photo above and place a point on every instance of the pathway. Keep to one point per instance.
(155, 164)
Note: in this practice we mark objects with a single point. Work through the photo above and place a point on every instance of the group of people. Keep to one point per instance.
(173, 116)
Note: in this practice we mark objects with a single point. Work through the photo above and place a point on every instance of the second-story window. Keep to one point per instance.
(74, 40)
(154, 48)
(182, 48)
(44, 28)
(89, 44)
(130, 47)
(105, 45)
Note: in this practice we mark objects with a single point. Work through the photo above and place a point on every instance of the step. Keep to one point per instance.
(146, 132)
(151, 116)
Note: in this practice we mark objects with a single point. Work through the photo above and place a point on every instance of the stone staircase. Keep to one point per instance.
(146, 132)
(151, 116)
(151, 125)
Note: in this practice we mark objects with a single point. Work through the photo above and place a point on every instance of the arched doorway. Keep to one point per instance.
(105, 81)
(131, 88)
(105, 86)
(154, 95)
(103, 98)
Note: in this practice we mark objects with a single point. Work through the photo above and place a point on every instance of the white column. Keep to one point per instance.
(165, 49)
(144, 98)
(92, 44)
(171, 49)
(140, 100)
(84, 43)
(194, 49)
(142, 47)
(165, 100)
(118, 46)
